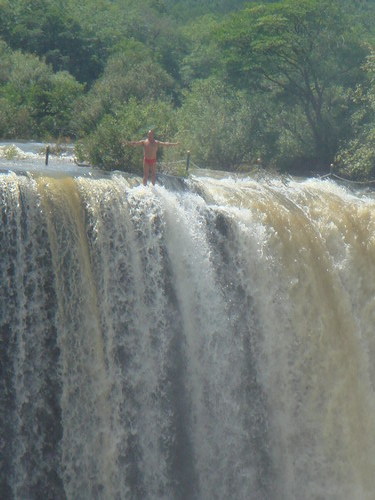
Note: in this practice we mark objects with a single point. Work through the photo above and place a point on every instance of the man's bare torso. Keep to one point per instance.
(150, 148)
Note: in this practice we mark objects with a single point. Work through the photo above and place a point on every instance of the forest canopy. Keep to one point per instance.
(286, 84)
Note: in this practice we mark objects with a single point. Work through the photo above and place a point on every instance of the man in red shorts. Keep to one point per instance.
(150, 149)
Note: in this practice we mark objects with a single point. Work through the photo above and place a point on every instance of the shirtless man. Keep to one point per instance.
(150, 149)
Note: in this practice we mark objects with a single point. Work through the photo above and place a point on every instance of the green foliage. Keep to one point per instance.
(15, 121)
(190, 9)
(131, 73)
(45, 28)
(35, 100)
(111, 24)
(356, 158)
(280, 80)
(203, 57)
(59, 105)
(106, 148)
(297, 51)
(221, 126)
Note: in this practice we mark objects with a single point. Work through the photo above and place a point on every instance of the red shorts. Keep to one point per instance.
(149, 161)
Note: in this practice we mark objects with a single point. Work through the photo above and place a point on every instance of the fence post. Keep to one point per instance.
(47, 154)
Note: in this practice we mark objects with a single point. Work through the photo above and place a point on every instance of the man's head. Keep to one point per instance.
(150, 135)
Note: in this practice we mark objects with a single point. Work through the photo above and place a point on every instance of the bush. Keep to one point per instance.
(129, 74)
(105, 147)
(34, 101)
(59, 100)
(357, 160)
(222, 127)
(15, 121)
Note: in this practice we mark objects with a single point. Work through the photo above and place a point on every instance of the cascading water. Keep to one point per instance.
(213, 340)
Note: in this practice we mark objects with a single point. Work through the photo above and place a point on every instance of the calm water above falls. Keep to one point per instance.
(211, 339)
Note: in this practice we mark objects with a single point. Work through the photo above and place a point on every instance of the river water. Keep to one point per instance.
(208, 338)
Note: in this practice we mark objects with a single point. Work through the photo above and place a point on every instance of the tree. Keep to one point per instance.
(129, 73)
(220, 125)
(35, 101)
(59, 98)
(46, 28)
(356, 158)
(203, 57)
(189, 9)
(115, 22)
(105, 146)
(303, 53)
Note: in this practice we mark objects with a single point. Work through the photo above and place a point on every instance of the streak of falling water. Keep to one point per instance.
(207, 339)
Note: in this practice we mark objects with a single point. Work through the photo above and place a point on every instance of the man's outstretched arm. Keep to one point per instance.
(133, 143)
(168, 143)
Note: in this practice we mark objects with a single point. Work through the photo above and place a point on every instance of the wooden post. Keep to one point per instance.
(47, 154)
(187, 161)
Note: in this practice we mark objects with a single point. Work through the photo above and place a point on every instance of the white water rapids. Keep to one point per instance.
(208, 340)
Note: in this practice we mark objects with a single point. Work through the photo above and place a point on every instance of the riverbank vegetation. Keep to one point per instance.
(286, 84)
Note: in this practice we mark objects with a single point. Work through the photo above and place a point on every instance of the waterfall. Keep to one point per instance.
(203, 339)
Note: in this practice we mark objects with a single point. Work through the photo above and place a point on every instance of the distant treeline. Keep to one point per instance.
(288, 85)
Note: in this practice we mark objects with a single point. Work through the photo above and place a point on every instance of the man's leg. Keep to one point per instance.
(146, 173)
(153, 174)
